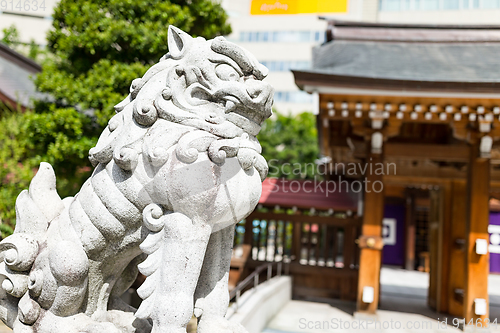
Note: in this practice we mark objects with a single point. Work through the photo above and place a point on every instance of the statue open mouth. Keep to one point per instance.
(256, 112)
(246, 107)
(256, 116)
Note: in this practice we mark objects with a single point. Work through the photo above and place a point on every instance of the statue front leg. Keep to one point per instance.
(175, 247)
(212, 295)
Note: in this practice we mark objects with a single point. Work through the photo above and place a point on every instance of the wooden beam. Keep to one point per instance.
(397, 192)
(432, 181)
(413, 151)
(409, 101)
(413, 180)
(324, 220)
(413, 168)
(454, 152)
(370, 256)
(477, 268)
(494, 185)
(425, 170)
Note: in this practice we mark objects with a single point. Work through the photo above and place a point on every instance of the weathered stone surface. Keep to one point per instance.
(176, 168)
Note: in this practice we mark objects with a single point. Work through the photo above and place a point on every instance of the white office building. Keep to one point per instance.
(282, 42)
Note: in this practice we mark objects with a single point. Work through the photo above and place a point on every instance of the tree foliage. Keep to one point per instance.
(100, 46)
(11, 38)
(290, 145)
(95, 49)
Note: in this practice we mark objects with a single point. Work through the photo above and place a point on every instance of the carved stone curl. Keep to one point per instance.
(176, 168)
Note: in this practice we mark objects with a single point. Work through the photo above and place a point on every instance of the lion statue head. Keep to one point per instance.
(204, 101)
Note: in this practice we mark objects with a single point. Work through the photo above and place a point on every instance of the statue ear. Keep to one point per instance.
(178, 41)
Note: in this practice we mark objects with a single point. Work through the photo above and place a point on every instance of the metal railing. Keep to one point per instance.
(254, 276)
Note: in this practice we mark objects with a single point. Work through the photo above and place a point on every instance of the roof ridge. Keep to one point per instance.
(19, 59)
(353, 24)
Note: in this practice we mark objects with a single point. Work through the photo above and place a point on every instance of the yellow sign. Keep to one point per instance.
(273, 7)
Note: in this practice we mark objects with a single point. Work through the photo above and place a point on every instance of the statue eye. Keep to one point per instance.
(226, 73)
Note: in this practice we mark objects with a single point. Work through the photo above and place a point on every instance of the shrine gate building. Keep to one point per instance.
(425, 99)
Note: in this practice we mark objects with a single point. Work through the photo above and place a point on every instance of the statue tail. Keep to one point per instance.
(35, 208)
(39, 205)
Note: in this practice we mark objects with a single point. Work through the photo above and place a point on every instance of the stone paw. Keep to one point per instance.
(219, 325)
(100, 328)
(79, 323)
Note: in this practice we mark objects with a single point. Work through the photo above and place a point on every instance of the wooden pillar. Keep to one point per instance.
(477, 265)
(457, 261)
(445, 246)
(323, 127)
(440, 225)
(410, 231)
(435, 216)
(370, 241)
(296, 241)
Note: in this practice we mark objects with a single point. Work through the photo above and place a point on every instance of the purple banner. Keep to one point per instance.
(494, 248)
(393, 235)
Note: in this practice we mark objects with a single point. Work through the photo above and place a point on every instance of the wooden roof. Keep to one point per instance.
(406, 57)
(304, 194)
(338, 29)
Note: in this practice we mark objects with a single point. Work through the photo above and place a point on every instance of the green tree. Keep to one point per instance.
(10, 36)
(96, 48)
(290, 145)
(11, 39)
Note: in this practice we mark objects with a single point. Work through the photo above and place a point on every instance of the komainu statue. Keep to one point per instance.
(175, 169)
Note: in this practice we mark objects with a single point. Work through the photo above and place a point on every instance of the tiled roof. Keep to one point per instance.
(16, 77)
(411, 53)
(305, 194)
(420, 61)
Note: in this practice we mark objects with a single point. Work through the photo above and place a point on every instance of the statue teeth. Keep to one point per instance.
(230, 105)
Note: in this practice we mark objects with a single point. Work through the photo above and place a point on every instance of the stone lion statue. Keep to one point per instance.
(175, 169)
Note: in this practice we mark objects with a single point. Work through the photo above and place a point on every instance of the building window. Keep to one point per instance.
(431, 5)
(451, 4)
(404, 5)
(282, 36)
(490, 4)
(285, 66)
(390, 5)
(292, 97)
